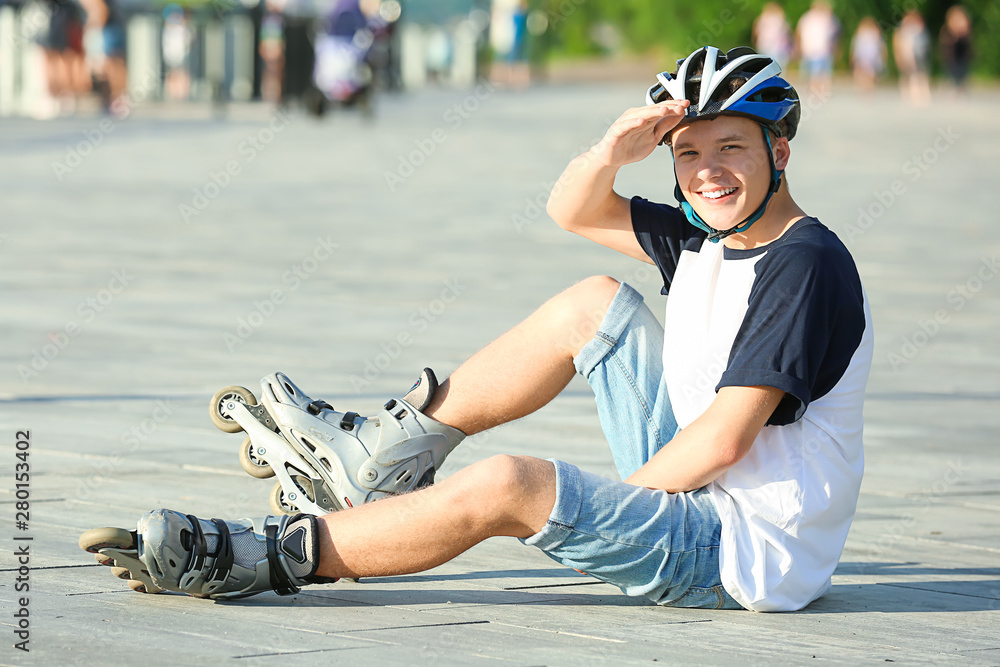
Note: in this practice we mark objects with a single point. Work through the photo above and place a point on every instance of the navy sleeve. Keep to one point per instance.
(804, 322)
(663, 232)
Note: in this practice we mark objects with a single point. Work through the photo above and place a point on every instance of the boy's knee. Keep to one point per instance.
(524, 486)
(599, 289)
(583, 308)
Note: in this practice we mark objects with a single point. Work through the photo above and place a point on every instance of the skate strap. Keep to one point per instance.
(223, 553)
(422, 392)
(223, 562)
(281, 583)
(200, 551)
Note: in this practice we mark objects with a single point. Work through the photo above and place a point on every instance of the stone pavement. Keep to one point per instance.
(146, 262)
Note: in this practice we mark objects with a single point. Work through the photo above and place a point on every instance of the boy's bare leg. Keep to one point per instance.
(511, 377)
(502, 495)
(526, 367)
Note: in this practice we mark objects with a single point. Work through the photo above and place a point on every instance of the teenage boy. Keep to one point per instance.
(736, 426)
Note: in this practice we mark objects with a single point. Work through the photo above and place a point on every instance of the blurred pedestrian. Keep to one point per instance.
(772, 35)
(816, 35)
(176, 45)
(956, 45)
(65, 67)
(868, 54)
(104, 40)
(518, 71)
(911, 46)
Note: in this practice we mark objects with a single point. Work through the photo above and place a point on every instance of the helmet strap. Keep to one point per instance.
(715, 235)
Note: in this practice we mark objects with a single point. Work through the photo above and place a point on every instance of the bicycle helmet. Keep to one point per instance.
(740, 82)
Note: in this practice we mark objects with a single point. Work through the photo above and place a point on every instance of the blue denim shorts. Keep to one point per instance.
(662, 545)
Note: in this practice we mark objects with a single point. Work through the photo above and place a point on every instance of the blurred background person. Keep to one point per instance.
(512, 18)
(272, 51)
(383, 18)
(342, 74)
(65, 67)
(955, 41)
(868, 54)
(104, 40)
(816, 43)
(772, 35)
(517, 59)
(176, 45)
(911, 46)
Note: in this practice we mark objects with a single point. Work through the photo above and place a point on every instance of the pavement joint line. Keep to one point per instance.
(576, 583)
(918, 495)
(35, 500)
(11, 398)
(973, 650)
(972, 547)
(54, 567)
(698, 620)
(145, 464)
(561, 632)
(339, 635)
(931, 396)
(123, 590)
(281, 653)
(934, 590)
(465, 605)
(410, 627)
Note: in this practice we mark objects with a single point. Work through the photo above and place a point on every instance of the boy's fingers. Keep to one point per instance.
(663, 110)
(655, 113)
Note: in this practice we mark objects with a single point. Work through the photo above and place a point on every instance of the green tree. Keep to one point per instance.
(671, 29)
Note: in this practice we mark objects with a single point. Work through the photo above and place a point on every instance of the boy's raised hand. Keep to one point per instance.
(638, 131)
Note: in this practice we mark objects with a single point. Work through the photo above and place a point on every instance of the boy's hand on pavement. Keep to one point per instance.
(637, 132)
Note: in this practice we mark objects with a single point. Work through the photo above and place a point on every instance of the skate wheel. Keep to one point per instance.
(96, 539)
(138, 586)
(280, 504)
(217, 412)
(121, 572)
(104, 560)
(252, 464)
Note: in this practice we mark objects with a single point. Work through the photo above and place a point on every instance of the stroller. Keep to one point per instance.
(342, 73)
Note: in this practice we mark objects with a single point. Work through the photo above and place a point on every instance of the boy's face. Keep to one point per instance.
(723, 168)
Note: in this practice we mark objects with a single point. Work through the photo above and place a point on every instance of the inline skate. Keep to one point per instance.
(326, 460)
(213, 558)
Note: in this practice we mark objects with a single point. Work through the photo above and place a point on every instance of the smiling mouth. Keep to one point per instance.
(716, 195)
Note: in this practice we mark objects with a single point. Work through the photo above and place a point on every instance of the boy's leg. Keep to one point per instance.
(526, 367)
(623, 364)
(503, 495)
(500, 496)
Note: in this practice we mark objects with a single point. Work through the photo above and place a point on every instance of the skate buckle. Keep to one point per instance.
(316, 407)
(347, 423)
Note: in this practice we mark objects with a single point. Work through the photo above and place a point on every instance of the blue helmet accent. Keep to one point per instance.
(752, 104)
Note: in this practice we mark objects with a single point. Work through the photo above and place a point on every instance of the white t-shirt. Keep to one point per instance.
(791, 315)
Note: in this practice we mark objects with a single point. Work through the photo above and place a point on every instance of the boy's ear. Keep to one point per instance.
(781, 152)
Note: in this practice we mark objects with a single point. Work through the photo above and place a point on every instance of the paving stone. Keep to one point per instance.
(313, 261)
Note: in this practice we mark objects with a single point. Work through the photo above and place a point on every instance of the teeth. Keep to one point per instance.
(715, 194)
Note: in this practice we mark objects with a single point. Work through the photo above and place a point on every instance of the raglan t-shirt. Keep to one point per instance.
(791, 315)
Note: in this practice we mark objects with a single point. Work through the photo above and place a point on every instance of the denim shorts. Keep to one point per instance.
(662, 545)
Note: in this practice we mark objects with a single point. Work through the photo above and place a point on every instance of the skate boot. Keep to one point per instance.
(211, 559)
(326, 460)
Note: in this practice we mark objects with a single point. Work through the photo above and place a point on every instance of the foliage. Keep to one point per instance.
(671, 29)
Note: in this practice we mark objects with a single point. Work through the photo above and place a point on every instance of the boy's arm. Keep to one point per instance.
(713, 443)
(583, 200)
